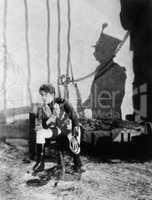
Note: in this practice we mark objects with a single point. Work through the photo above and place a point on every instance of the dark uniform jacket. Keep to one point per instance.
(59, 114)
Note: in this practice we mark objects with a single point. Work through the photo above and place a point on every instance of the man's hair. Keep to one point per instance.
(48, 88)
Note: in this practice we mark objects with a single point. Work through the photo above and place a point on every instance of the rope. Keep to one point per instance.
(59, 46)
(106, 67)
(5, 52)
(115, 53)
(48, 40)
(66, 92)
(80, 109)
(28, 50)
(71, 70)
(85, 77)
(68, 37)
(122, 43)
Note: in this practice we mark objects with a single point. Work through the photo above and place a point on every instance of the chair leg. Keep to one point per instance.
(61, 163)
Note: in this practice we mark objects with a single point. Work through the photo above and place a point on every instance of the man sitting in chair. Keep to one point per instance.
(56, 117)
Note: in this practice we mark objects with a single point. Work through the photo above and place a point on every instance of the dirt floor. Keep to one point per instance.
(115, 180)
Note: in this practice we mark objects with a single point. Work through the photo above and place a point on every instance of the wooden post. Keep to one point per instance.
(69, 50)
(5, 55)
(28, 50)
(129, 137)
(48, 41)
(32, 136)
(59, 47)
(122, 137)
(68, 37)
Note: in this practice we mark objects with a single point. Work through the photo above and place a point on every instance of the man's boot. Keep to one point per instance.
(77, 164)
(60, 160)
(39, 166)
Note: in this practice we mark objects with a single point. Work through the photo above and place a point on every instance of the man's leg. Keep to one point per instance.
(41, 135)
(39, 166)
(76, 157)
(61, 141)
(77, 162)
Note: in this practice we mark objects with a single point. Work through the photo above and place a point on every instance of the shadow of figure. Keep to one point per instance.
(55, 174)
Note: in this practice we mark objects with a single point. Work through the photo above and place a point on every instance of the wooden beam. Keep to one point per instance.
(59, 46)
(48, 41)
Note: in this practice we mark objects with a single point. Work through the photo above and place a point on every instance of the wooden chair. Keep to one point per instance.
(52, 143)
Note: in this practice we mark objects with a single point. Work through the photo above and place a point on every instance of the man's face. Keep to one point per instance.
(46, 97)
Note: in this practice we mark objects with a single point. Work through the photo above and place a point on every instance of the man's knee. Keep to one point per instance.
(40, 136)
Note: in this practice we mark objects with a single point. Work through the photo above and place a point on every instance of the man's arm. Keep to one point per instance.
(68, 108)
(54, 118)
(130, 12)
(71, 113)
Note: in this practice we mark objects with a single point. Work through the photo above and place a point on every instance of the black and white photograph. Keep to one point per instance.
(75, 99)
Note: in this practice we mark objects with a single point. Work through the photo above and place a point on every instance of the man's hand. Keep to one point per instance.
(73, 144)
(46, 110)
(52, 119)
(37, 128)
